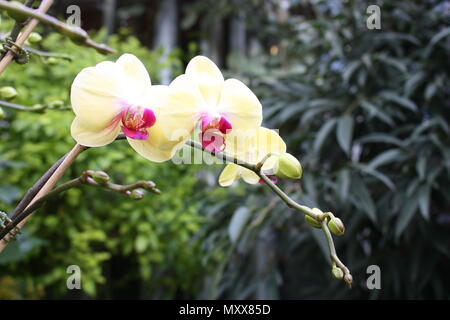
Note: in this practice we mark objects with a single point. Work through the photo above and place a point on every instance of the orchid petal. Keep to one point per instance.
(180, 111)
(136, 78)
(229, 174)
(208, 78)
(239, 105)
(87, 135)
(96, 93)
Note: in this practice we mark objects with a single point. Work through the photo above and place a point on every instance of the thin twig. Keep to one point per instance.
(76, 33)
(87, 179)
(38, 109)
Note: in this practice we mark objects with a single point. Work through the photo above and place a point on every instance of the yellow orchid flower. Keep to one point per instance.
(251, 149)
(202, 96)
(118, 96)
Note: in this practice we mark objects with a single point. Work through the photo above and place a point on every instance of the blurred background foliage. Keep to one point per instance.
(366, 112)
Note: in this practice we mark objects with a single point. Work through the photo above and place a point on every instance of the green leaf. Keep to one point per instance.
(380, 176)
(363, 199)
(141, 243)
(375, 111)
(237, 223)
(402, 101)
(406, 214)
(343, 184)
(344, 132)
(413, 82)
(322, 134)
(436, 38)
(350, 69)
(381, 138)
(424, 201)
(384, 158)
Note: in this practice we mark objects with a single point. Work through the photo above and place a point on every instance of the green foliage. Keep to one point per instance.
(124, 248)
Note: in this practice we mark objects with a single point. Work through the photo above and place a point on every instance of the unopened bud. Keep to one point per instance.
(100, 177)
(8, 93)
(2, 113)
(312, 222)
(337, 273)
(336, 226)
(34, 37)
(288, 167)
(136, 194)
(52, 61)
(56, 104)
(348, 279)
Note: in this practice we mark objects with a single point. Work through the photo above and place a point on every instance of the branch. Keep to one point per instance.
(7, 58)
(46, 54)
(19, 25)
(20, 107)
(89, 177)
(322, 217)
(77, 34)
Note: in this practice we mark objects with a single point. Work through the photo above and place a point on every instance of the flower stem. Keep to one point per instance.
(286, 199)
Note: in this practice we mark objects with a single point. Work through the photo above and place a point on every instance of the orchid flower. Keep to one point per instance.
(202, 97)
(264, 143)
(118, 96)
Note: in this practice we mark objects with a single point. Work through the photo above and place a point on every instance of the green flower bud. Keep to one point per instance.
(19, 17)
(2, 113)
(56, 104)
(348, 279)
(52, 61)
(312, 222)
(288, 167)
(336, 226)
(136, 194)
(100, 177)
(8, 93)
(34, 37)
(337, 273)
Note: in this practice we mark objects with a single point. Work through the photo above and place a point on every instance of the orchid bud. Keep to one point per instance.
(136, 194)
(348, 279)
(34, 37)
(337, 273)
(336, 226)
(100, 177)
(2, 113)
(8, 93)
(288, 167)
(56, 104)
(52, 61)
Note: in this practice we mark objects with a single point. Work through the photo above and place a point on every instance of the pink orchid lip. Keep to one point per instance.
(212, 141)
(213, 127)
(140, 134)
(135, 121)
(219, 122)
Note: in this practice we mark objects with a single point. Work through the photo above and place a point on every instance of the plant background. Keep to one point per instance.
(366, 112)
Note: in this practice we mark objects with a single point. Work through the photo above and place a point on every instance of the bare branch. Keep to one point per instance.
(77, 34)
